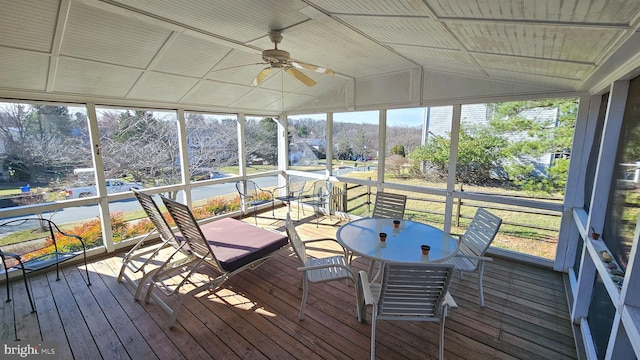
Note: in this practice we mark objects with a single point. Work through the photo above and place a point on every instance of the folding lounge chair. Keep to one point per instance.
(225, 247)
(146, 256)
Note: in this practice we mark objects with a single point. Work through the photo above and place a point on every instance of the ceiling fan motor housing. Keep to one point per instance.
(276, 57)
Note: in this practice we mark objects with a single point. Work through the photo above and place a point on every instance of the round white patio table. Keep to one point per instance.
(402, 245)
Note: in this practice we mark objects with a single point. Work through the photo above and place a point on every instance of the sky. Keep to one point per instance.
(395, 117)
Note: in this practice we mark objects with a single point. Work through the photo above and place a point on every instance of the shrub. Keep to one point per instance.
(91, 232)
(394, 164)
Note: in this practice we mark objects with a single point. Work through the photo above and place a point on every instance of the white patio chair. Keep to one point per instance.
(389, 205)
(318, 270)
(474, 244)
(408, 292)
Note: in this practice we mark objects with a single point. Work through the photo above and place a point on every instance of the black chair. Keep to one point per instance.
(252, 195)
(36, 260)
(319, 196)
(294, 189)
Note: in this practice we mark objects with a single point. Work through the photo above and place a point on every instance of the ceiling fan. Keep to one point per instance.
(280, 59)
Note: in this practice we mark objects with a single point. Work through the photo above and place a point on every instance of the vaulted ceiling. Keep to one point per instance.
(204, 54)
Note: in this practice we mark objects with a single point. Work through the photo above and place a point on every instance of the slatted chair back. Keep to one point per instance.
(479, 235)
(413, 291)
(296, 241)
(408, 292)
(473, 245)
(389, 205)
(190, 231)
(319, 270)
(144, 257)
(159, 222)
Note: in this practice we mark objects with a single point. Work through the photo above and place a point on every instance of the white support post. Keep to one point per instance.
(619, 347)
(283, 151)
(184, 158)
(103, 202)
(242, 153)
(600, 197)
(329, 142)
(574, 190)
(607, 157)
(382, 149)
(582, 296)
(453, 160)
(626, 342)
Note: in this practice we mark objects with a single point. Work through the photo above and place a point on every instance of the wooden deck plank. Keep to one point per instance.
(130, 338)
(74, 324)
(27, 327)
(48, 316)
(255, 315)
(7, 319)
(103, 333)
(156, 339)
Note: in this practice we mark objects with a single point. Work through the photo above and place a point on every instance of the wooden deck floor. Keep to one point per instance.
(255, 316)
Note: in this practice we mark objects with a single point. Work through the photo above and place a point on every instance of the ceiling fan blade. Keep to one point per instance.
(315, 68)
(261, 76)
(300, 76)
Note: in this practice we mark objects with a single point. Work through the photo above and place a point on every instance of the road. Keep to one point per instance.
(88, 212)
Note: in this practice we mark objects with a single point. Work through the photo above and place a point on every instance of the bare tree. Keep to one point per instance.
(38, 139)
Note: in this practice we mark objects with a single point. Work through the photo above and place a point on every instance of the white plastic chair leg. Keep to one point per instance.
(480, 287)
(373, 334)
(305, 290)
(442, 337)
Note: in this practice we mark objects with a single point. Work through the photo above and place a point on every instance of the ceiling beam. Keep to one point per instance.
(61, 24)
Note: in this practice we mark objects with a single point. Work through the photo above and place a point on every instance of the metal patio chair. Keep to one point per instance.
(474, 244)
(408, 292)
(294, 189)
(318, 270)
(37, 260)
(389, 205)
(251, 195)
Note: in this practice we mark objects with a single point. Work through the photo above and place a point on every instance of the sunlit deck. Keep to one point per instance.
(255, 316)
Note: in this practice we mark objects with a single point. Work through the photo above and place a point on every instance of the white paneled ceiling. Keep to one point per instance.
(205, 53)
